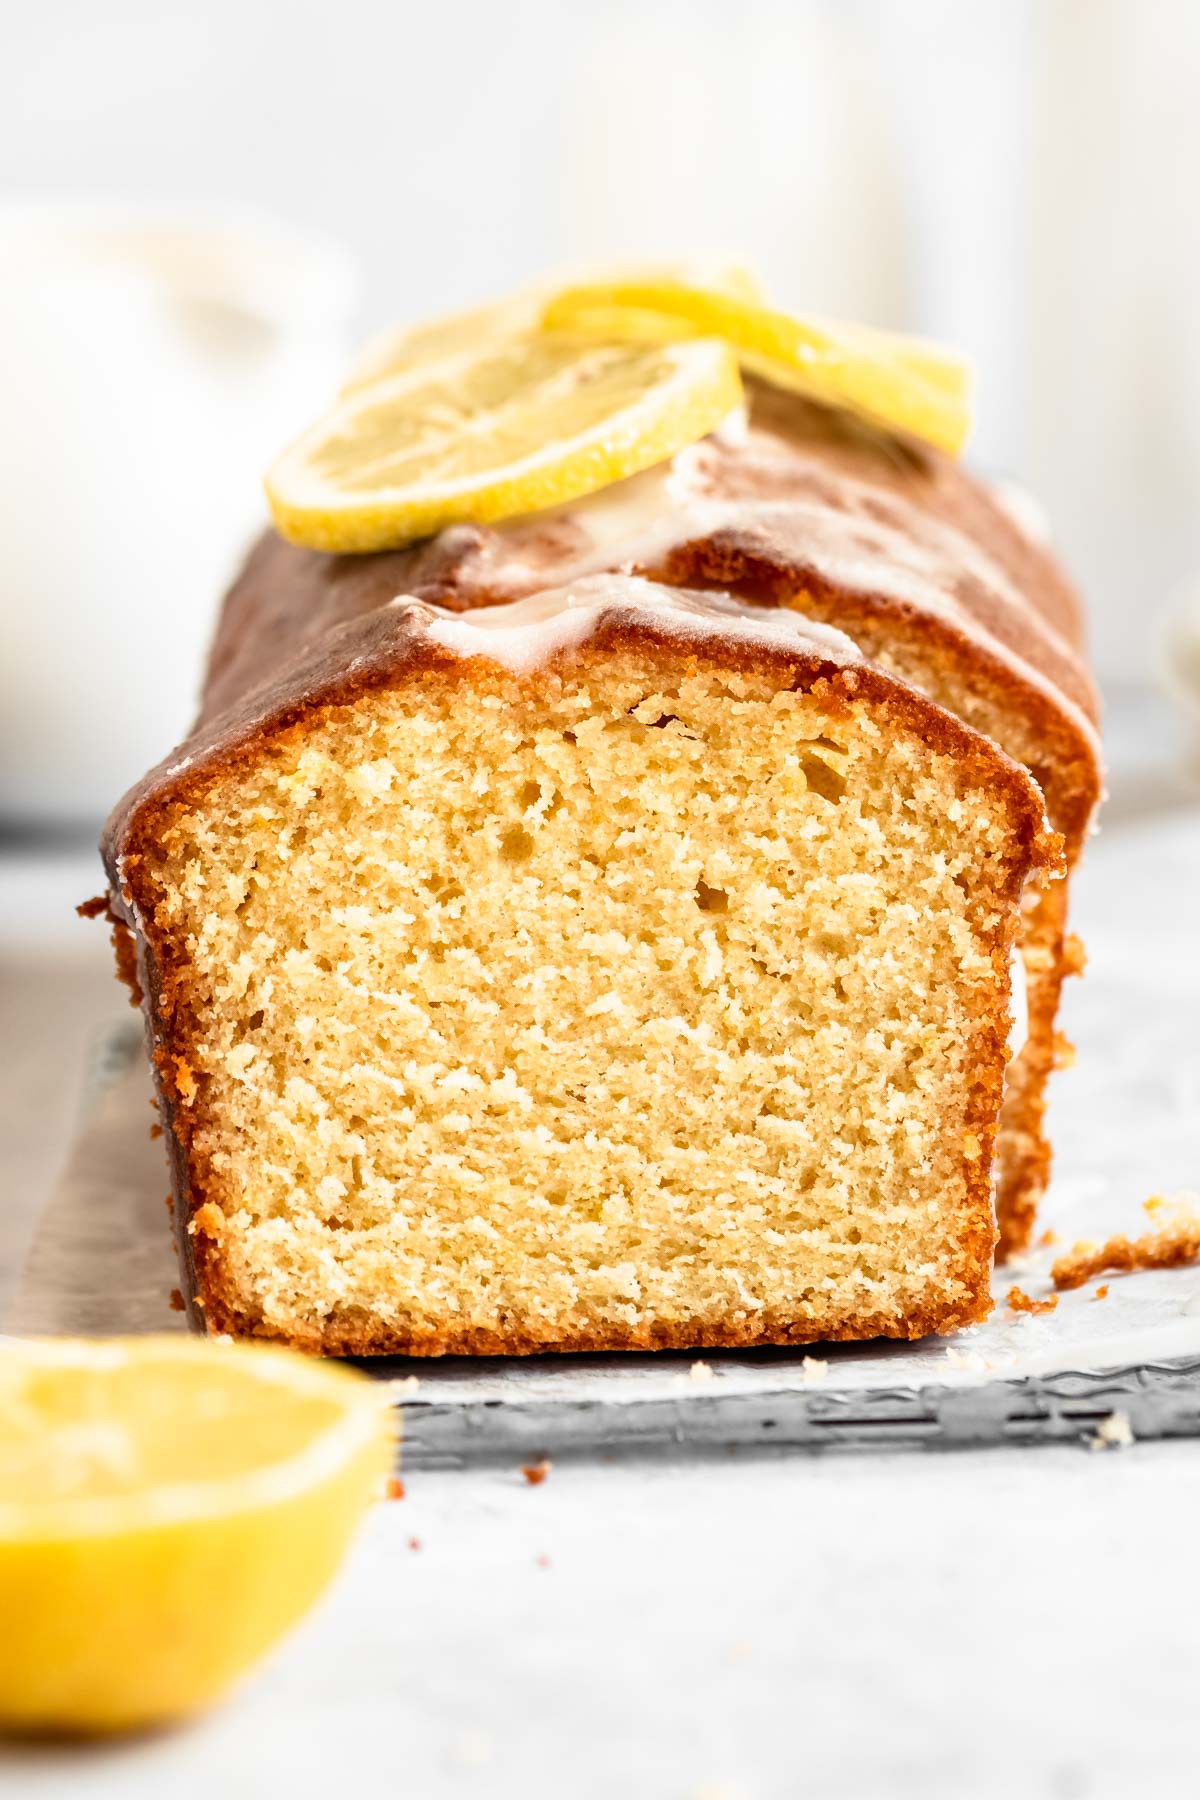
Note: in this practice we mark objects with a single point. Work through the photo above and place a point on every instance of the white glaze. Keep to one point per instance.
(525, 633)
(634, 523)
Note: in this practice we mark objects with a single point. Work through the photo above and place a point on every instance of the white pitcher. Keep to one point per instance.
(150, 367)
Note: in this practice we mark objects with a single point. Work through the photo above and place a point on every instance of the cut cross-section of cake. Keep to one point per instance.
(617, 967)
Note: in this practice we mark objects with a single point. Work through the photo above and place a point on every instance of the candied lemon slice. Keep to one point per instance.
(903, 384)
(515, 314)
(510, 428)
(168, 1507)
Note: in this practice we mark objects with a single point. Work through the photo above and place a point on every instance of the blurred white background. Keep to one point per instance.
(1016, 176)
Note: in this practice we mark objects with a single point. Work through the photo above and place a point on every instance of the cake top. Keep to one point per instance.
(787, 496)
(787, 474)
(792, 486)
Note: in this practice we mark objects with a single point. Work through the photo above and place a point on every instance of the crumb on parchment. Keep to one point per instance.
(1170, 1245)
(402, 1385)
(536, 1473)
(973, 1362)
(1019, 1301)
(1113, 1433)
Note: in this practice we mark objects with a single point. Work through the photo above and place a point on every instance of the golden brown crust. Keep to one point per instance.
(123, 942)
(1023, 1158)
(370, 1339)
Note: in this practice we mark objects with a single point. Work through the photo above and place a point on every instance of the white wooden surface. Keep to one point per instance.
(1000, 1622)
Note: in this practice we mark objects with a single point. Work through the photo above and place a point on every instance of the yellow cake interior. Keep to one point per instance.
(638, 1002)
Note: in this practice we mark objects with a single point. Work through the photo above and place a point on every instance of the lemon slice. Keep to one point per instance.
(515, 314)
(902, 384)
(168, 1507)
(488, 433)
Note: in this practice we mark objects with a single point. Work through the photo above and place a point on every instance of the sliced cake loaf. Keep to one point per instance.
(621, 966)
(938, 577)
(614, 893)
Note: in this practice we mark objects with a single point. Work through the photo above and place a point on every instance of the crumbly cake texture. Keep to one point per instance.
(935, 576)
(649, 992)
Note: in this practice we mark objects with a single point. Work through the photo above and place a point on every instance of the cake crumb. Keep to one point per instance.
(155, 1132)
(1020, 1302)
(178, 1304)
(1048, 1238)
(394, 1489)
(1101, 1292)
(813, 1370)
(1169, 1246)
(536, 1473)
(700, 1371)
(414, 1543)
(208, 1221)
(1113, 1433)
(967, 1361)
(1074, 956)
(185, 1081)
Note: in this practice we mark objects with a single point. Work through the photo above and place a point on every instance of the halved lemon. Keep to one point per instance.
(168, 1507)
(903, 384)
(511, 316)
(490, 432)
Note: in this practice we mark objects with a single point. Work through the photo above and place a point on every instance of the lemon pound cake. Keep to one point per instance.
(620, 967)
(615, 894)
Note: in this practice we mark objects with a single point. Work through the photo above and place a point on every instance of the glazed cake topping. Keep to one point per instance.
(527, 632)
(757, 491)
